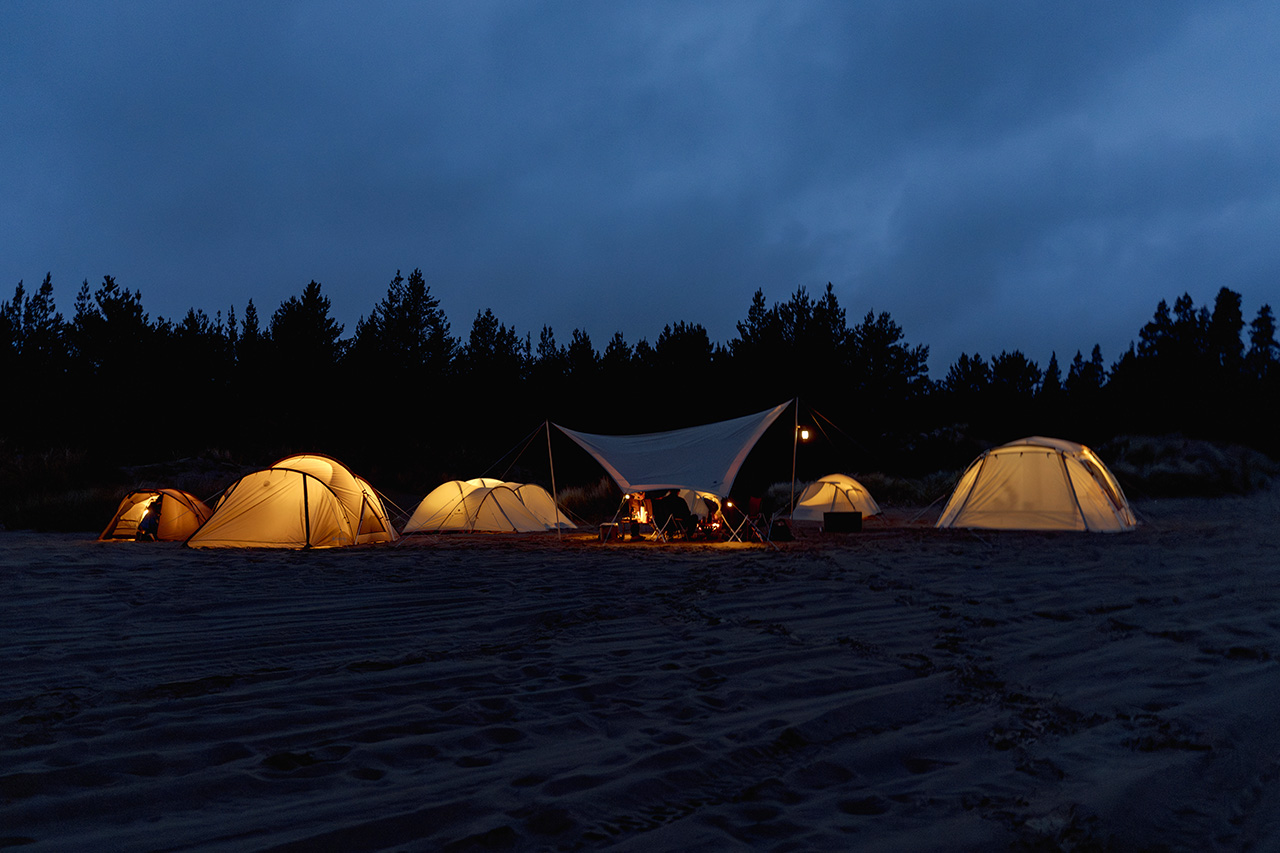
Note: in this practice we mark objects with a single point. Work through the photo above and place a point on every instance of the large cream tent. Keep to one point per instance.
(361, 501)
(834, 493)
(306, 501)
(487, 505)
(180, 514)
(543, 506)
(1038, 483)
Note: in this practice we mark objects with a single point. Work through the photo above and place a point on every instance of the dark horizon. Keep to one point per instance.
(408, 394)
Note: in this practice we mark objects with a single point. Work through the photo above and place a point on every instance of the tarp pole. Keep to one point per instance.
(554, 498)
(795, 440)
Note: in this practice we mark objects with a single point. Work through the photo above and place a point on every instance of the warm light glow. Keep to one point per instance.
(804, 433)
(638, 512)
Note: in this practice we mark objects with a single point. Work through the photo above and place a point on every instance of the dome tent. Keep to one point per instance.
(306, 501)
(833, 493)
(180, 515)
(1038, 483)
(486, 505)
(539, 501)
(360, 500)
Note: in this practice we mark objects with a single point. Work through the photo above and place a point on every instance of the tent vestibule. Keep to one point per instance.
(179, 514)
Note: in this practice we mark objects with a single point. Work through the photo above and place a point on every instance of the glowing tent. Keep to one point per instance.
(357, 496)
(485, 505)
(539, 501)
(303, 501)
(702, 458)
(1038, 483)
(704, 505)
(834, 493)
(180, 515)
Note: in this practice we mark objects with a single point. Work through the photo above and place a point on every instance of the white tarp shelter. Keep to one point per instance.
(1038, 483)
(834, 493)
(487, 505)
(702, 458)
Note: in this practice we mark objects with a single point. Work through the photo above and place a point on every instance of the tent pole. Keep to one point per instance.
(306, 511)
(554, 498)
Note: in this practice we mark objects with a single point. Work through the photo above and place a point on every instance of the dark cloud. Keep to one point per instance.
(997, 175)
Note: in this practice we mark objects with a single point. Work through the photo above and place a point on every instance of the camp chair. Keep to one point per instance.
(671, 518)
(665, 531)
(761, 524)
(735, 530)
(747, 525)
(671, 527)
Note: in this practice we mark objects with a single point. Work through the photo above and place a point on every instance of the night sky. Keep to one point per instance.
(995, 175)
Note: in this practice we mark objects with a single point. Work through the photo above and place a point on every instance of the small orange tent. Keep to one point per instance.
(180, 515)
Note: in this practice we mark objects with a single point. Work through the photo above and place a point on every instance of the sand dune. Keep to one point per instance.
(902, 688)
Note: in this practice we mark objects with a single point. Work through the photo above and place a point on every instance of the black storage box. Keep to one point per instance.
(842, 522)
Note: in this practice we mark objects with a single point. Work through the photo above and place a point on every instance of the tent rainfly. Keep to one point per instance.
(181, 514)
(702, 458)
(362, 503)
(834, 493)
(1038, 483)
(306, 501)
(486, 505)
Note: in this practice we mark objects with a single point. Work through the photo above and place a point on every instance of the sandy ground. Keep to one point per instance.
(898, 689)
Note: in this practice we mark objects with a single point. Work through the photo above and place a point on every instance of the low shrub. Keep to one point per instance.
(1175, 466)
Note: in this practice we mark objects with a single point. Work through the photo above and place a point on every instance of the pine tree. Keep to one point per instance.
(1051, 385)
(303, 335)
(1264, 353)
(1224, 332)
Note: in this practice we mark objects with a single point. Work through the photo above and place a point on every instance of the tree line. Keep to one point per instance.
(405, 397)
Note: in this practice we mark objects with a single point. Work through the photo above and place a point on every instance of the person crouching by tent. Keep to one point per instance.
(149, 524)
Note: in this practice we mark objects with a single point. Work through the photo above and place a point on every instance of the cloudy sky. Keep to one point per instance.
(995, 175)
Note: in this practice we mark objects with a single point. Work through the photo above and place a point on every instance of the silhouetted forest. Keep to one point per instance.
(409, 401)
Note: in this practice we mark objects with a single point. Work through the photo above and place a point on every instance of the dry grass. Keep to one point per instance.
(592, 503)
(67, 490)
(1174, 466)
(887, 489)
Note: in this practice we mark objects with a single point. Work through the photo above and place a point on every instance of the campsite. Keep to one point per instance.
(594, 427)
(672, 485)
(325, 680)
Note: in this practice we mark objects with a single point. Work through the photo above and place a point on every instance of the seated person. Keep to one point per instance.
(668, 505)
(149, 525)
